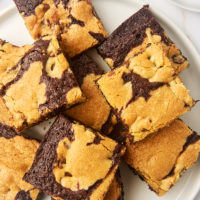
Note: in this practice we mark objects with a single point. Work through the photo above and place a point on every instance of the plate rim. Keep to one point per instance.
(184, 7)
(160, 16)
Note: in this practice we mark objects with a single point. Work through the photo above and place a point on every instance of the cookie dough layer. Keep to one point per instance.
(95, 112)
(161, 158)
(142, 40)
(115, 191)
(35, 81)
(16, 157)
(75, 22)
(144, 107)
(66, 157)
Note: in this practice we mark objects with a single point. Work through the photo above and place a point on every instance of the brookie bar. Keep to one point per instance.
(143, 107)
(74, 162)
(142, 42)
(75, 22)
(35, 81)
(161, 158)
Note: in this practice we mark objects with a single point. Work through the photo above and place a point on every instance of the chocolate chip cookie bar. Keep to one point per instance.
(115, 191)
(142, 106)
(75, 22)
(161, 158)
(34, 83)
(143, 42)
(16, 157)
(66, 157)
(95, 112)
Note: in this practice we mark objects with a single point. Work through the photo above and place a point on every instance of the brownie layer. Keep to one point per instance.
(7, 132)
(161, 158)
(51, 172)
(95, 112)
(84, 65)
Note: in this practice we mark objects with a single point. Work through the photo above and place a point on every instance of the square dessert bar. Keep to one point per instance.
(66, 157)
(143, 107)
(75, 22)
(16, 157)
(142, 38)
(95, 112)
(161, 158)
(34, 83)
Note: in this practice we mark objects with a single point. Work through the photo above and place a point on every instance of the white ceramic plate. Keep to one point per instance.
(192, 5)
(112, 13)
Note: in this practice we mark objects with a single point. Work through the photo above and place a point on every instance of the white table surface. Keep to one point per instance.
(188, 21)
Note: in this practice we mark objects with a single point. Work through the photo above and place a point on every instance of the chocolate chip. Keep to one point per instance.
(46, 7)
(178, 59)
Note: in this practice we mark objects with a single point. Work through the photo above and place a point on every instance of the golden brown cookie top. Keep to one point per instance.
(155, 64)
(162, 157)
(95, 112)
(37, 84)
(74, 22)
(16, 157)
(143, 106)
(73, 152)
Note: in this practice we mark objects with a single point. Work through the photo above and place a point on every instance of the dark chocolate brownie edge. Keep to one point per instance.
(23, 195)
(191, 139)
(98, 36)
(7, 132)
(27, 7)
(130, 34)
(41, 173)
(82, 65)
(108, 124)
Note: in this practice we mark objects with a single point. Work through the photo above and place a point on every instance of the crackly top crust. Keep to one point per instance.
(142, 106)
(134, 36)
(75, 22)
(65, 158)
(161, 158)
(34, 83)
(95, 112)
(115, 191)
(16, 157)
